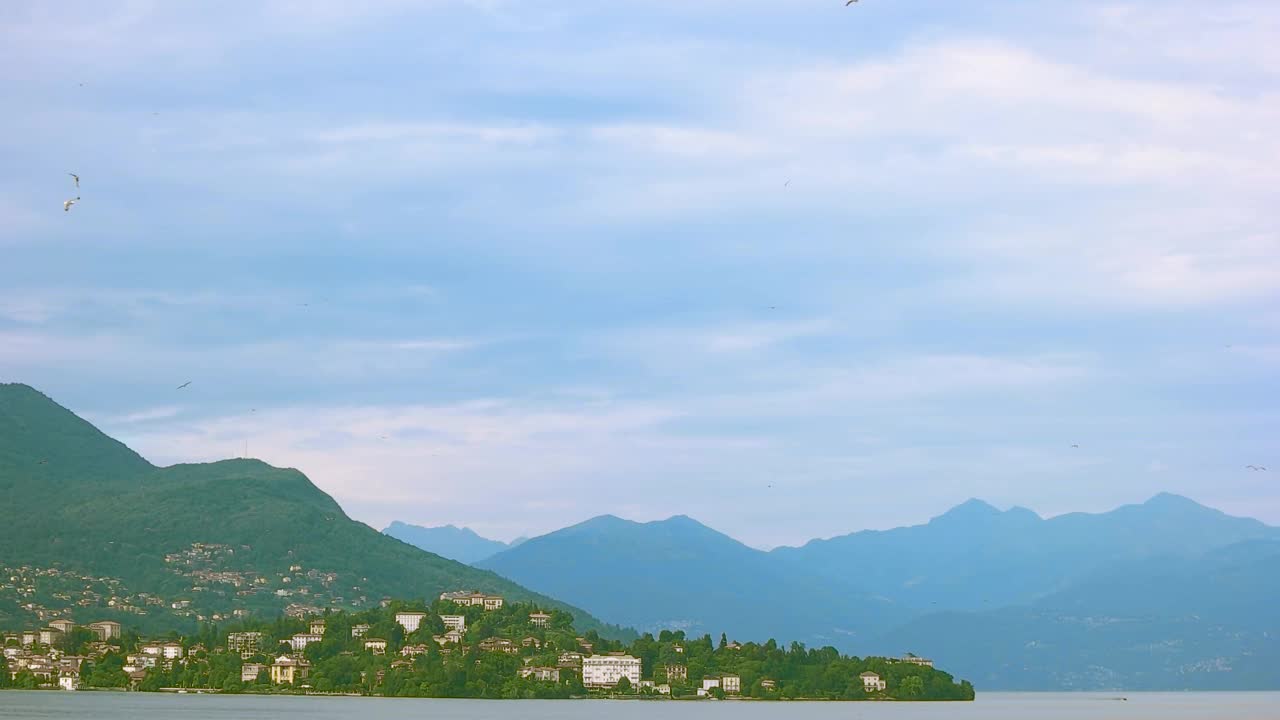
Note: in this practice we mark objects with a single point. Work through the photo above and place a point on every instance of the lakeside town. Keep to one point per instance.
(463, 644)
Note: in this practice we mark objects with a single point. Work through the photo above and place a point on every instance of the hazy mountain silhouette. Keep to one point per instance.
(461, 544)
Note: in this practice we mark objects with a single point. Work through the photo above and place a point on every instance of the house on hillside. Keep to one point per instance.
(453, 637)
(455, 622)
(62, 626)
(917, 660)
(677, 673)
(300, 641)
(768, 684)
(105, 629)
(249, 672)
(410, 621)
(472, 598)
(49, 636)
(871, 682)
(358, 631)
(317, 627)
(731, 684)
(539, 619)
(541, 674)
(377, 646)
(246, 643)
(287, 671)
(605, 671)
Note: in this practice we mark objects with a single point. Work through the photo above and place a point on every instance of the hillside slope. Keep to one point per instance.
(88, 506)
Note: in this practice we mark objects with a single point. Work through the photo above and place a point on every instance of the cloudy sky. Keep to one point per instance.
(790, 268)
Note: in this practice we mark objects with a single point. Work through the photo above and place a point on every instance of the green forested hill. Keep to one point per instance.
(80, 501)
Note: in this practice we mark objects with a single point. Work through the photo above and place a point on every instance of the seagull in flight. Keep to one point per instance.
(1076, 446)
(66, 204)
(77, 178)
(184, 384)
(850, 3)
(1256, 468)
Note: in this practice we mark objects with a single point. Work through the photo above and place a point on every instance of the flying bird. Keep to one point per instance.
(66, 204)
(785, 184)
(850, 3)
(1076, 446)
(77, 178)
(1255, 468)
(43, 462)
(184, 384)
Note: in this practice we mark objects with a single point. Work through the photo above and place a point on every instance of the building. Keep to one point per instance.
(317, 627)
(497, 644)
(768, 684)
(358, 631)
(541, 674)
(139, 662)
(377, 646)
(246, 643)
(69, 681)
(171, 651)
(48, 636)
(917, 660)
(532, 642)
(710, 681)
(414, 650)
(106, 629)
(663, 689)
(249, 672)
(471, 598)
(29, 637)
(570, 659)
(731, 684)
(287, 670)
(63, 626)
(455, 622)
(871, 682)
(410, 621)
(604, 671)
(539, 619)
(300, 641)
(453, 637)
(677, 672)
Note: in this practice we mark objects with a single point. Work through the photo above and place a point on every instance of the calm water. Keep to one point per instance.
(989, 706)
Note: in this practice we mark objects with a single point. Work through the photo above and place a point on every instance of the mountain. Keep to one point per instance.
(1208, 622)
(976, 557)
(680, 574)
(106, 534)
(455, 543)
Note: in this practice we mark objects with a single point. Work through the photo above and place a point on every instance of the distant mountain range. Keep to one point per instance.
(1167, 594)
(97, 514)
(455, 543)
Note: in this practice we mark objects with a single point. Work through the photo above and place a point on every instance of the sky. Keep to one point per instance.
(790, 268)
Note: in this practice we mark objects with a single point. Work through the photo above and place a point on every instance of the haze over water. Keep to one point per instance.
(990, 706)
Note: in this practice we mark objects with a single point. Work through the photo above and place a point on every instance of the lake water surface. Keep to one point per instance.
(989, 706)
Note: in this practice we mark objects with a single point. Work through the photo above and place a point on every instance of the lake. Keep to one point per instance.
(989, 706)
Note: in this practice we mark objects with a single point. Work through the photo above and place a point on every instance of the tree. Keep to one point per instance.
(623, 686)
(5, 679)
(911, 687)
(724, 641)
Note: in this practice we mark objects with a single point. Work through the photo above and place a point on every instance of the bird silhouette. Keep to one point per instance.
(184, 384)
(850, 3)
(1076, 446)
(66, 204)
(77, 179)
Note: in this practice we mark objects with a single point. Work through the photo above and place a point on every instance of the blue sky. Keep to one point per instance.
(790, 268)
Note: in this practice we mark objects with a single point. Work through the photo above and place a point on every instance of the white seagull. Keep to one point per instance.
(66, 204)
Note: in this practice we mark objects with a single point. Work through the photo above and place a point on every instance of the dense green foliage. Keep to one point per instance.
(75, 498)
(340, 663)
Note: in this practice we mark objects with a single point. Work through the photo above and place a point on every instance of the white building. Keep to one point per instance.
(69, 681)
(871, 682)
(106, 629)
(377, 646)
(455, 622)
(358, 631)
(410, 621)
(249, 672)
(541, 674)
(317, 627)
(302, 640)
(63, 626)
(917, 660)
(49, 636)
(246, 643)
(731, 684)
(171, 651)
(604, 671)
(539, 619)
(710, 681)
